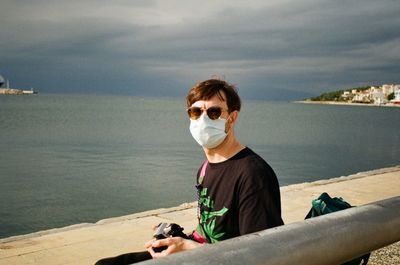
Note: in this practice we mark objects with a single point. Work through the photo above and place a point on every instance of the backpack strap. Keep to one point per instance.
(202, 172)
(199, 187)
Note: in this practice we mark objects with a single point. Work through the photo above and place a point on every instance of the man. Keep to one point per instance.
(238, 191)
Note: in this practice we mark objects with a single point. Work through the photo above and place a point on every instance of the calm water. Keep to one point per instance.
(72, 159)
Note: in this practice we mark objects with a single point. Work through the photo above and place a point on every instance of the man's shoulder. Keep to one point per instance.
(250, 157)
(250, 163)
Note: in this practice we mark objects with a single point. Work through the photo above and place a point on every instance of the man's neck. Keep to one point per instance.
(227, 149)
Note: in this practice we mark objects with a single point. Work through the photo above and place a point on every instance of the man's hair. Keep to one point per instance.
(209, 88)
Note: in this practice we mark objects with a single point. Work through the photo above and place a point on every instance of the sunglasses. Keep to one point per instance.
(212, 112)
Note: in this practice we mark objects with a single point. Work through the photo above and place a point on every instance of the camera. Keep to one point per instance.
(165, 230)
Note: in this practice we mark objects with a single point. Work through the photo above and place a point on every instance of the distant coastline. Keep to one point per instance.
(7, 90)
(345, 103)
(387, 95)
(13, 91)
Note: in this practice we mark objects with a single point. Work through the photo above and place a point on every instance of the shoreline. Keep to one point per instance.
(85, 243)
(110, 220)
(192, 205)
(15, 91)
(344, 103)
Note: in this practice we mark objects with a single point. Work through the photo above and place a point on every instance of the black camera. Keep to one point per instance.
(165, 230)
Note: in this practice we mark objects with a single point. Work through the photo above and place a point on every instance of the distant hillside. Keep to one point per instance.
(336, 95)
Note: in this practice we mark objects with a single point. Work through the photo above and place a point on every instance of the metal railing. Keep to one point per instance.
(330, 239)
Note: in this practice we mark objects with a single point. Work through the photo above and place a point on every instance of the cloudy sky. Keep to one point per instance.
(269, 49)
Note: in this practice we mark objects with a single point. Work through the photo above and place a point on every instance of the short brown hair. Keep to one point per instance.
(209, 88)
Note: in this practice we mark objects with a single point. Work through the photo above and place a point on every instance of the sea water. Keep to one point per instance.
(67, 159)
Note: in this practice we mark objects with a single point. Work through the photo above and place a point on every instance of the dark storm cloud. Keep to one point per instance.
(279, 49)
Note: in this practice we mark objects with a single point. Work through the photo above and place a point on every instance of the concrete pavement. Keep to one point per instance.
(83, 244)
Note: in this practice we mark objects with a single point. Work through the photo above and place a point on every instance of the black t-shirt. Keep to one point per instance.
(238, 196)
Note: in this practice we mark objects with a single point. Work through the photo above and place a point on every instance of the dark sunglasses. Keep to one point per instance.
(212, 112)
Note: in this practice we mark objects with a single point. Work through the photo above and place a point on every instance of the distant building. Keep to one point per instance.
(363, 96)
(389, 89)
(6, 90)
(347, 95)
(10, 91)
(378, 97)
(396, 99)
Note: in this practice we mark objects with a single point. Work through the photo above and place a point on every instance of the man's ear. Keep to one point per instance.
(233, 117)
(231, 120)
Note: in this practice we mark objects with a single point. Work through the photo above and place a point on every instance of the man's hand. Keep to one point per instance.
(173, 244)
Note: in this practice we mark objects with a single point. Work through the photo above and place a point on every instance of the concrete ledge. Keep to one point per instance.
(326, 240)
(86, 243)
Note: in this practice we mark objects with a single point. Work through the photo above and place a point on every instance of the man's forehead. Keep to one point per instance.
(214, 101)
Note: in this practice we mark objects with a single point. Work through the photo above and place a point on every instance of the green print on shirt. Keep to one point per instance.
(208, 218)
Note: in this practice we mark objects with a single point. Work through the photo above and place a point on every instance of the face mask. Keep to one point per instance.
(208, 133)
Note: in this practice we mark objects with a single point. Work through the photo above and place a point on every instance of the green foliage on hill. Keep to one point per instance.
(329, 96)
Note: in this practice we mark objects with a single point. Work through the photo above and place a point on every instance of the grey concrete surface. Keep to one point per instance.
(83, 244)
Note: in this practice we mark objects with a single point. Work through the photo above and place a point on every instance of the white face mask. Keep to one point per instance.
(208, 133)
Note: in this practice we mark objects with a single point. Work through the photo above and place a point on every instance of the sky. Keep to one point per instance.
(273, 50)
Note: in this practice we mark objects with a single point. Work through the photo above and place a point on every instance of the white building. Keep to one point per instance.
(346, 95)
(396, 99)
(378, 97)
(389, 89)
(363, 96)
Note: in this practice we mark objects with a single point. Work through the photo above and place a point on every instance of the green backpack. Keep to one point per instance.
(325, 205)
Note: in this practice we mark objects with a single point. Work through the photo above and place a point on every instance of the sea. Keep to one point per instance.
(69, 159)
